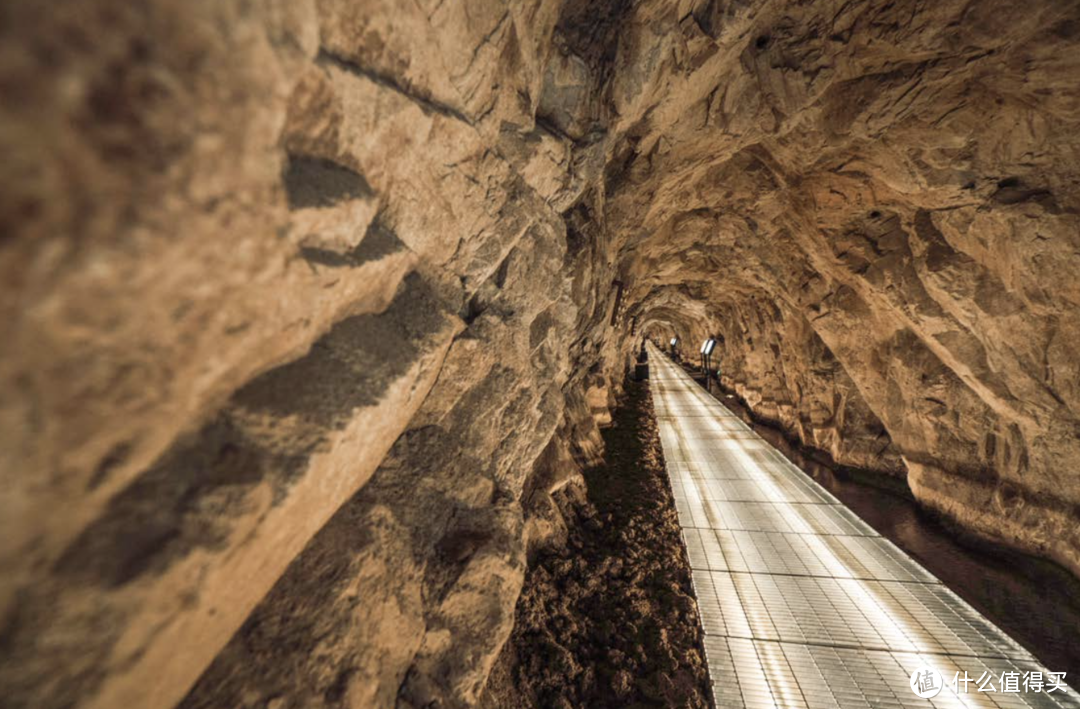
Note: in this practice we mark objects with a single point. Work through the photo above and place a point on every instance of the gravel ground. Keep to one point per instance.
(610, 620)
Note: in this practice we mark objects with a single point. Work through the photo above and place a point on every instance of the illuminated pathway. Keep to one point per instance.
(802, 603)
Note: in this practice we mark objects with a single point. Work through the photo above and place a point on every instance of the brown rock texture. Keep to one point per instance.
(874, 206)
(309, 306)
(607, 616)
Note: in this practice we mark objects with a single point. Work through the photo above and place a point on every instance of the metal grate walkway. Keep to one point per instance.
(802, 603)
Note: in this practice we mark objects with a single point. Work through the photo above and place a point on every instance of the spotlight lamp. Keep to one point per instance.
(706, 350)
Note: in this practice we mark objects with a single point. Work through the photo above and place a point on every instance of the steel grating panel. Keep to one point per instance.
(890, 615)
(869, 558)
(770, 517)
(802, 603)
(756, 673)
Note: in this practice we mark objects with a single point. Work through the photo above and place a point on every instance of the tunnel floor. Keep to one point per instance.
(608, 619)
(802, 603)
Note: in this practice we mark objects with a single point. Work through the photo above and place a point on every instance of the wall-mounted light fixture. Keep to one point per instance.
(706, 353)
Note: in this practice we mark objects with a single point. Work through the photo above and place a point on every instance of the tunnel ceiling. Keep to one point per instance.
(308, 302)
(873, 203)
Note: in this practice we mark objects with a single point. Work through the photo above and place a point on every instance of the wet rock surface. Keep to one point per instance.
(609, 619)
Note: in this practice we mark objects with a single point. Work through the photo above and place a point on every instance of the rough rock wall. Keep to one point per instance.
(884, 195)
(309, 305)
(774, 360)
(290, 313)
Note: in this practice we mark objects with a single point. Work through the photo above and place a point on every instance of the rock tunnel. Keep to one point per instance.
(317, 312)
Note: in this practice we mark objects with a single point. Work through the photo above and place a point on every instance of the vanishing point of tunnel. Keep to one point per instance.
(497, 354)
